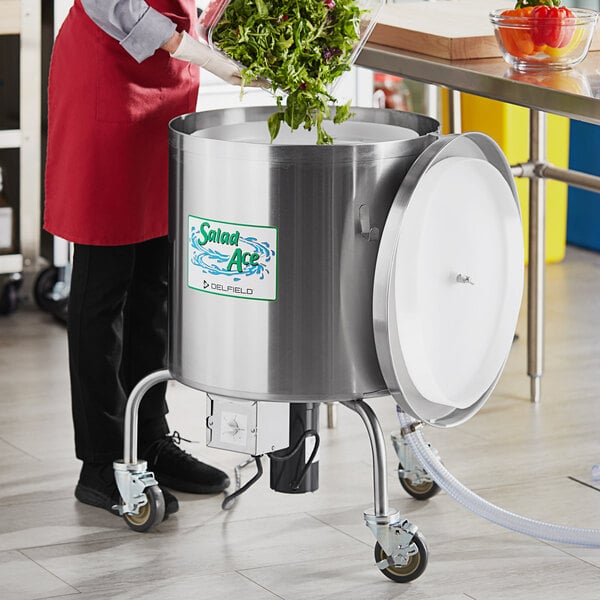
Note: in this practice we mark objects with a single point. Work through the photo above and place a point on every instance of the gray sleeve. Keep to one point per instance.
(140, 29)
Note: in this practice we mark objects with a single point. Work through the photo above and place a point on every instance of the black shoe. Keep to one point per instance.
(179, 470)
(97, 487)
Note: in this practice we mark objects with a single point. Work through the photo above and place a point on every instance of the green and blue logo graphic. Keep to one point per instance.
(232, 259)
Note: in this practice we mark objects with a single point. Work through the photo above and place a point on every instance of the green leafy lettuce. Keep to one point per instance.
(300, 47)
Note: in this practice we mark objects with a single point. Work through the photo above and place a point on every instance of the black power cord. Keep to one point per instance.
(309, 432)
(230, 499)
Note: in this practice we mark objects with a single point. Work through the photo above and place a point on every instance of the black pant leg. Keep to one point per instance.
(145, 333)
(100, 280)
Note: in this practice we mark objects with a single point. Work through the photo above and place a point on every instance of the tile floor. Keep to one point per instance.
(532, 459)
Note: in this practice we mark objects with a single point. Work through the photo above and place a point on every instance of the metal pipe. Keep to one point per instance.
(549, 171)
(568, 176)
(130, 429)
(331, 415)
(431, 100)
(537, 255)
(380, 501)
(454, 112)
(524, 170)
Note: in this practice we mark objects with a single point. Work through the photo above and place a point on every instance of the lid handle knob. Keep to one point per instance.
(460, 278)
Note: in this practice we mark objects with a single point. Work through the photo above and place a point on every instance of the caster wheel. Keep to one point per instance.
(414, 568)
(8, 299)
(44, 284)
(151, 513)
(420, 491)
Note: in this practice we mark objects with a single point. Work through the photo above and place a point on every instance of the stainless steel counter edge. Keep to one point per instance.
(579, 97)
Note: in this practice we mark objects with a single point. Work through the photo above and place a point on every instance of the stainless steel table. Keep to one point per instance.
(574, 93)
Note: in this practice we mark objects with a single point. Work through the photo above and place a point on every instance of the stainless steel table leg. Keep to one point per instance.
(537, 256)
(331, 415)
(454, 112)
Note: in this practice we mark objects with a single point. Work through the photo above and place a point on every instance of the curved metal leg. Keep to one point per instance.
(394, 535)
(130, 473)
(380, 501)
(131, 413)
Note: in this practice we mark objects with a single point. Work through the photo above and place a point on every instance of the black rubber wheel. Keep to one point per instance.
(151, 513)
(8, 298)
(420, 491)
(415, 567)
(44, 284)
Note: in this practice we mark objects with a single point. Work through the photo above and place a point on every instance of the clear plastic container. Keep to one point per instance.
(212, 11)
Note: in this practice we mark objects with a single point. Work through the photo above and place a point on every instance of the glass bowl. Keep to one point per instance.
(515, 36)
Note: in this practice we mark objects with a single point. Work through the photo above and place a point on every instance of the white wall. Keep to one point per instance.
(61, 8)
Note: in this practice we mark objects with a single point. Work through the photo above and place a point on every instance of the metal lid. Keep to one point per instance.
(449, 280)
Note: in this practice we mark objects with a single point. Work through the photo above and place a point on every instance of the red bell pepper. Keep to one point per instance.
(551, 23)
(552, 26)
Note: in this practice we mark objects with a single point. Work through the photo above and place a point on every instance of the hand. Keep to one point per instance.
(216, 62)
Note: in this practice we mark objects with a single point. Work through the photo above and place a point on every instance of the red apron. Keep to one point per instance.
(107, 159)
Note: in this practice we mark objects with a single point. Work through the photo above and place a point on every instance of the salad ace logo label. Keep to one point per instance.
(232, 259)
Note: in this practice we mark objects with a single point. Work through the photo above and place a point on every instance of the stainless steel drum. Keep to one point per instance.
(390, 261)
(295, 324)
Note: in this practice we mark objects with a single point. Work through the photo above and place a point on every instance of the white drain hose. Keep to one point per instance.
(470, 500)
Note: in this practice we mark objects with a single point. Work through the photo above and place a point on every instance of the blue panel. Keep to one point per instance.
(583, 216)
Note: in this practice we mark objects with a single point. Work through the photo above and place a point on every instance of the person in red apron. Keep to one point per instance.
(120, 70)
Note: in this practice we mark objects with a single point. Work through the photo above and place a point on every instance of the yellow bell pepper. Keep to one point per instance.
(566, 50)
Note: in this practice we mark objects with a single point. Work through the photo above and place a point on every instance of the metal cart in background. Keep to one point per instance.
(20, 129)
(52, 285)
